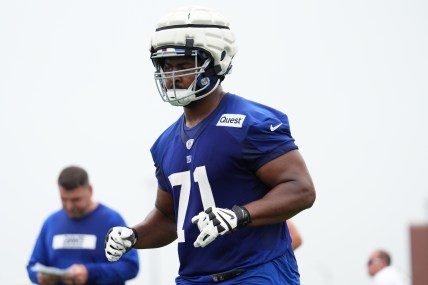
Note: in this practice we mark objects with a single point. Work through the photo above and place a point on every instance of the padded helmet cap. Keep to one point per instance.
(197, 28)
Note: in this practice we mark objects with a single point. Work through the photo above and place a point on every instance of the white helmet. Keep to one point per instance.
(192, 31)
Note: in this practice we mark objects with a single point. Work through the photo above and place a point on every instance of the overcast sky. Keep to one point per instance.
(76, 87)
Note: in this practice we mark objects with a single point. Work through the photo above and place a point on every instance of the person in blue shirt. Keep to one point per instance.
(229, 172)
(73, 238)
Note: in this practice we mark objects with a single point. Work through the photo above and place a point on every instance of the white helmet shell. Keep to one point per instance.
(197, 27)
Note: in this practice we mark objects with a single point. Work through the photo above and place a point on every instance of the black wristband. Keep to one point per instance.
(242, 215)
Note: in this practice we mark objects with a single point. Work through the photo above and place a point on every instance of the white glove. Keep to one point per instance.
(119, 240)
(218, 221)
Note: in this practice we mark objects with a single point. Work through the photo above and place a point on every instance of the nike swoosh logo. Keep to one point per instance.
(230, 215)
(272, 128)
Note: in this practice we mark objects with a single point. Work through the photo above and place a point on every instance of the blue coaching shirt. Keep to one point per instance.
(214, 164)
(64, 241)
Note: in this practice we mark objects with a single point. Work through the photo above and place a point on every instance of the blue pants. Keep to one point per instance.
(275, 272)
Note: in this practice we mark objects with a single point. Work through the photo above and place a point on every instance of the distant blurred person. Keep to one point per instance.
(296, 238)
(73, 238)
(379, 267)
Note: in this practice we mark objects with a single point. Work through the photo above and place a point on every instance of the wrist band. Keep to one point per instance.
(242, 215)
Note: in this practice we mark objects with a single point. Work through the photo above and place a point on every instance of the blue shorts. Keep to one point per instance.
(275, 272)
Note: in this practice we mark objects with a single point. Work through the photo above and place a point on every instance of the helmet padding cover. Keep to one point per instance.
(197, 28)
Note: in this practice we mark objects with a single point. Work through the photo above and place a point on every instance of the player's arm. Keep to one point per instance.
(158, 228)
(292, 190)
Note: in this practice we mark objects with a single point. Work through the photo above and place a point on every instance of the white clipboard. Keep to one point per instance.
(49, 269)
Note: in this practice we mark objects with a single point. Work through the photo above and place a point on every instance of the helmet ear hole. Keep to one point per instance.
(202, 81)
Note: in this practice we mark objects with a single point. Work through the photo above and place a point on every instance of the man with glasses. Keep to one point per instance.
(379, 267)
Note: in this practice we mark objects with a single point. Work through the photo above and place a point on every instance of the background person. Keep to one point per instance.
(296, 238)
(73, 238)
(229, 173)
(379, 267)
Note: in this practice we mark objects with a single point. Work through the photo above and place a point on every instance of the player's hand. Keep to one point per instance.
(119, 240)
(218, 221)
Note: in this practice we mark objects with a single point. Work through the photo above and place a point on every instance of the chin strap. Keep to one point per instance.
(183, 97)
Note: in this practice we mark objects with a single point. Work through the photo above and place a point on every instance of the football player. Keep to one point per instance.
(229, 171)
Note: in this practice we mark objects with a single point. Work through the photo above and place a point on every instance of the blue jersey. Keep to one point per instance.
(215, 164)
(63, 242)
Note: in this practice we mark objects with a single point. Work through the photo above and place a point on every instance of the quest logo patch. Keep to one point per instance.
(231, 120)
